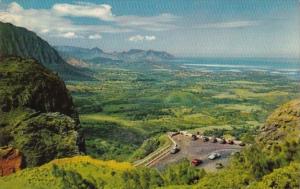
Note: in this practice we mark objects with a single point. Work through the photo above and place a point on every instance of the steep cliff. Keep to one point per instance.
(37, 113)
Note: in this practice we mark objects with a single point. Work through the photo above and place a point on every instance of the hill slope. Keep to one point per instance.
(282, 129)
(17, 41)
(83, 172)
(37, 113)
(77, 172)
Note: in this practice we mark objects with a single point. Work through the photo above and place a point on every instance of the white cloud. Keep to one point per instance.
(41, 21)
(102, 12)
(15, 7)
(49, 22)
(56, 21)
(95, 36)
(70, 35)
(161, 22)
(44, 30)
(228, 25)
(150, 38)
(137, 38)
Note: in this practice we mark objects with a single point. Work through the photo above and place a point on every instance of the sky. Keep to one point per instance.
(198, 28)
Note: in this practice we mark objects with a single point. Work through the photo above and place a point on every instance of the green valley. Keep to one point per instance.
(148, 102)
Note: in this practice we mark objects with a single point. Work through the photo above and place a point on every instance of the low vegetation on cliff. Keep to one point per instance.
(37, 113)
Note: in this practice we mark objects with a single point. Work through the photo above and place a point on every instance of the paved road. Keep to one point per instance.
(198, 149)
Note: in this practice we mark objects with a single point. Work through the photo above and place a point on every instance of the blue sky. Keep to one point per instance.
(233, 28)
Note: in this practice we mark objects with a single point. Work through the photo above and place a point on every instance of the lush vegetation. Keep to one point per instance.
(148, 99)
(37, 113)
(85, 172)
(129, 129)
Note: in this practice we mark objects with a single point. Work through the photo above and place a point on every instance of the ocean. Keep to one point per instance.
(282, 66)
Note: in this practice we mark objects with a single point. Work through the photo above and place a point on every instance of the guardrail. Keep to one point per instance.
(156, 155)
(163, 154)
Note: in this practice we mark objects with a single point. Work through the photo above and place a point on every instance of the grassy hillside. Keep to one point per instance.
(77, 172)
(85, 172)
(280, 136)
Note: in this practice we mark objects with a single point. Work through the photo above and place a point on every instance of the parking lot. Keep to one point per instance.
(198, 149)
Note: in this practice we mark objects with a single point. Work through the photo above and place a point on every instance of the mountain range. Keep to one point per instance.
(98, 55)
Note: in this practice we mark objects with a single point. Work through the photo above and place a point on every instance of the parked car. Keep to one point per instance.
(194, 137)
(222, 141)
(214, 155)
(174, 150)
(213, 139)
(196, 162)
(230, 142)
(234, 153)
(205, 139)
(219, 165)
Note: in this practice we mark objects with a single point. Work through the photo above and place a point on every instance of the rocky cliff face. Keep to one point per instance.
(10, 161)
(37, 113)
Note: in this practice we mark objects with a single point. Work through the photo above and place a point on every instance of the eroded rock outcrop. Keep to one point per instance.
(10, 160)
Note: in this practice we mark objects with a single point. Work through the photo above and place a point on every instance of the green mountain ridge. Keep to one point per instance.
(18, 41)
